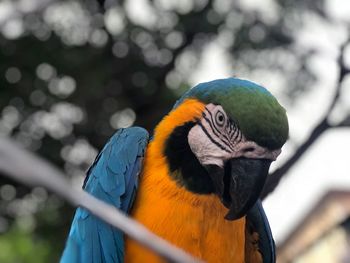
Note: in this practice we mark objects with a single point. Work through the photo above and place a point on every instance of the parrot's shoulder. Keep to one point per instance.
(117, 167)
(113, 178)
(259, 238)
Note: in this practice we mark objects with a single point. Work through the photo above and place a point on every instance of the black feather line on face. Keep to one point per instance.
(184, 165)
(222, 147)
(223, 144)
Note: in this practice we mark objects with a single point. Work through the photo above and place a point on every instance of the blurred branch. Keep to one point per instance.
(343, 71)
(28, 169)
(345, 122)
(275, 177)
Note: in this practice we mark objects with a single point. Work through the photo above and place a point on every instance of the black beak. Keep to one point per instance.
(239, 184)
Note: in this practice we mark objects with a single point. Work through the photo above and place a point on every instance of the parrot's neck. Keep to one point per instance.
(194, 222)
(184, 166)
(165, 136)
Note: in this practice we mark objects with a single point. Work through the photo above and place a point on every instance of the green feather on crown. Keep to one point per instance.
(259, 115)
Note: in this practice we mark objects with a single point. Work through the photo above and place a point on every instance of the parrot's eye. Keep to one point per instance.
(220, 118)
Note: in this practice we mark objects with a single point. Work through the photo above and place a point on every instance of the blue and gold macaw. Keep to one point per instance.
(196, 183)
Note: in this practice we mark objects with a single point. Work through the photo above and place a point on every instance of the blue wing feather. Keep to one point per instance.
(258, 220)
(113, 178)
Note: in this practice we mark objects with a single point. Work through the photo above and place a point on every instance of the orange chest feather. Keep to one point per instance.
(191, 221)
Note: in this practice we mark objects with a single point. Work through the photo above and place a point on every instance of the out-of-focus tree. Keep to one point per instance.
(71, 72)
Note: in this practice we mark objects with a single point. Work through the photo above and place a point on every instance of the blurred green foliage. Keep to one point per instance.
(22, 246)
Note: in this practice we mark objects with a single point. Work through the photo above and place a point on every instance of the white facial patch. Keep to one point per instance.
(205, 150)
(216, 138)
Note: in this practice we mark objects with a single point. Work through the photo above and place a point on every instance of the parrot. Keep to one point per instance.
(196, 182)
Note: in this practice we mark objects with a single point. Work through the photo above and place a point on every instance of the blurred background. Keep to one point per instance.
(72, 72)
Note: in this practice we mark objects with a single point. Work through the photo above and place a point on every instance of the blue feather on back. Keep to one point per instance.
(113, 178)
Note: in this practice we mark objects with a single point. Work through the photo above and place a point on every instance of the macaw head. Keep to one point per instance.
(230, 132)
